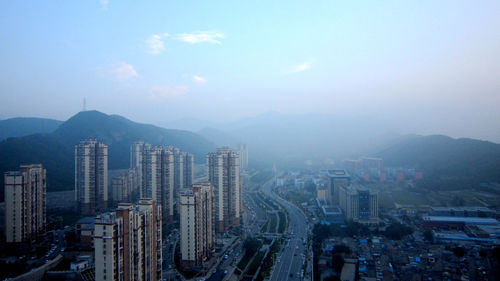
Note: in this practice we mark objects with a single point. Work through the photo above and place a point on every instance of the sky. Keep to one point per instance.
(423, 66)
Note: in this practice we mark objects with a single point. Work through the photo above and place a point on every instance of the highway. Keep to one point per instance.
(290, 261)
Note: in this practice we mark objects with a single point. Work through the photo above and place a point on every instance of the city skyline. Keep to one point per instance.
(420, 65)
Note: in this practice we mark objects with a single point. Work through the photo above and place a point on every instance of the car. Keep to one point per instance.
(225, 272)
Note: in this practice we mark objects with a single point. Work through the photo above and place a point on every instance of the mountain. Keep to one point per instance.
(446, 162)
(290, 139)
(188, 124)
(219, 137)
(56, 150)
(23, 126)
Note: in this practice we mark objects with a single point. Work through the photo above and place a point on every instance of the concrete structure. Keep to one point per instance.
(322, 194)
(243, 151)
(351, 165)
(157, 178)
(332, 214)
(188, 169)
(224, 174)
(162, 172)
(457, 222)
(359, 204)
(128, 243)
(196, 223)
(91, 176)
(184, 169)
(124, 186)
(85, 231)
(336, 180)
(136, 155)
(368, 163)
(25, 204)
(468, 211)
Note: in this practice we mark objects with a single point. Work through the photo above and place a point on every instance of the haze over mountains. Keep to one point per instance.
(272, 138)
(55, 150)
(23, 126)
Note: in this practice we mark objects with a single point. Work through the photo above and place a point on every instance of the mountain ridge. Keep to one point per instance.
(446, 162)
(55, 150)
(23, 126)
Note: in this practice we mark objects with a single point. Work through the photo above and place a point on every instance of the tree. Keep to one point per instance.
(429, 235)
(251, 245)
(459, 251)
(341, 249)
(338, 263)
(397, 231)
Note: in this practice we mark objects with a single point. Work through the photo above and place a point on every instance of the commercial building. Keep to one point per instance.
(224, 174)
(196, 224)
(91, 176)
(25, 203)
(128, 242)
(359, 204)
(336, 180)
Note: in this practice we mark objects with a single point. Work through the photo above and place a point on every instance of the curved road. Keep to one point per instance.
(290, 261)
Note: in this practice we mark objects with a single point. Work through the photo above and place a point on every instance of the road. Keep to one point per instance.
(290, 261)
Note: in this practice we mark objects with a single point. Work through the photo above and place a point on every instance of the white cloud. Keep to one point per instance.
(201, 37)
(301, 67)
(124, 71)
(167, 92)
(199, 79)
(104, 4)
(155, 43)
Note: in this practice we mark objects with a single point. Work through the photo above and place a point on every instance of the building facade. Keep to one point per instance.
(359, 204)
(91, 176)
(125, 186)
(196, 224)
(243, 151)
(336, 180)
(25, 204)
(128, 243)
(224, 175)
(162, 172)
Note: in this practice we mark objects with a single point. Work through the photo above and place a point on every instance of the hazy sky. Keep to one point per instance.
(425, 66)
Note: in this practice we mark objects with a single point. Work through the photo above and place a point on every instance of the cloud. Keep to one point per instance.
(199, 79)
(104, 4)
(155, 43)
(200, 37)
(167, 92)
(301, 67)
(124, 71)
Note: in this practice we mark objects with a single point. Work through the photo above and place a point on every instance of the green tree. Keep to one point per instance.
(337, 263)
(429, 235)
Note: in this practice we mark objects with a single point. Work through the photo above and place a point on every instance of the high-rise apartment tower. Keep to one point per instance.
(25, 204)
(91, 176)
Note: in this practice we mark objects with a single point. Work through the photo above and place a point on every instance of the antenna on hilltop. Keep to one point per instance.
(84, 104)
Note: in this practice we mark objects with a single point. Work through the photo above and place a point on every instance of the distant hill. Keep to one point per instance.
(23, 126)
(288, 140)
(446, 162)
(220, 138)
(56, 150)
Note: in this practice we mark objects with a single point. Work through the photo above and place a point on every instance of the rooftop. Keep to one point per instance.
(471, 220)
